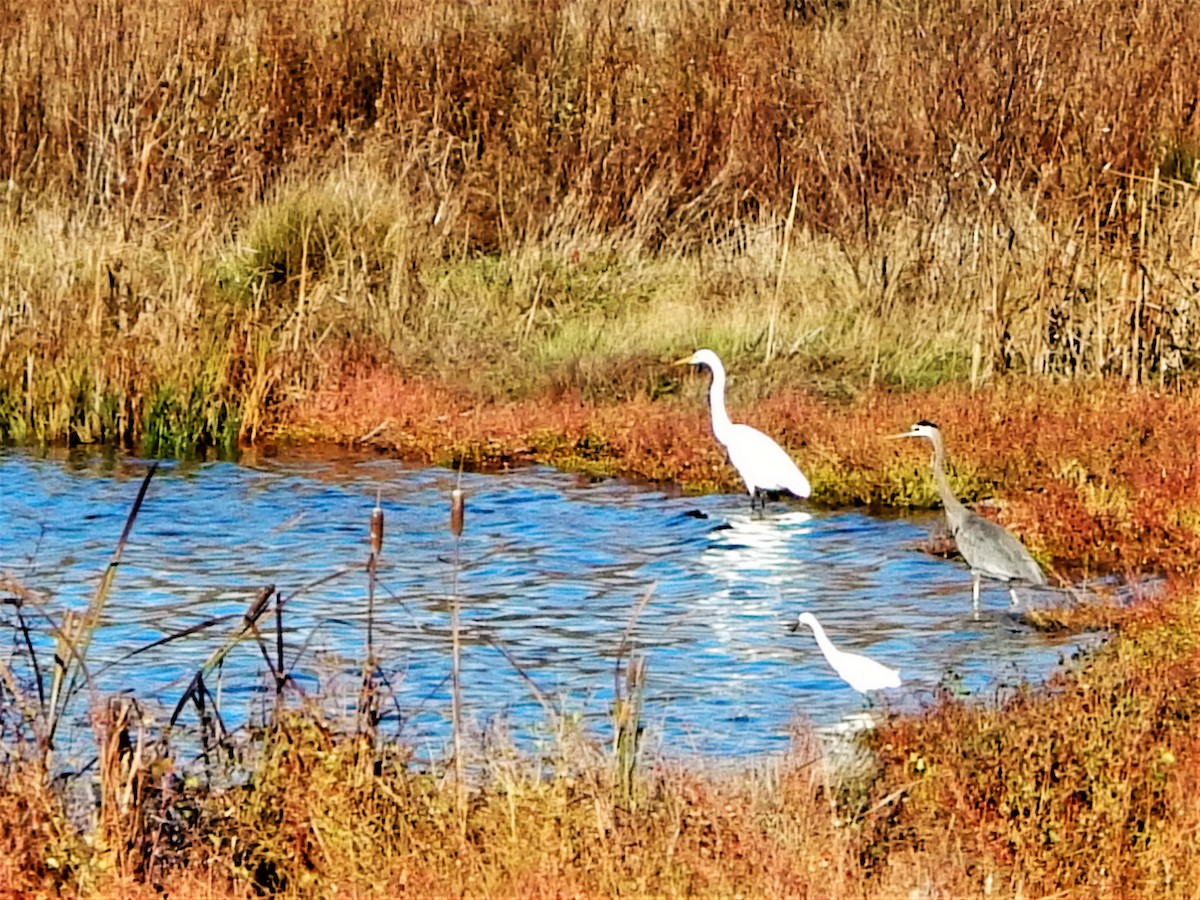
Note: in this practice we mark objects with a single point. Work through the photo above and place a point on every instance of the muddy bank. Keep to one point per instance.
(1092, 477)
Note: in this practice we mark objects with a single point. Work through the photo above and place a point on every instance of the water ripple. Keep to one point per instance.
(551, 567)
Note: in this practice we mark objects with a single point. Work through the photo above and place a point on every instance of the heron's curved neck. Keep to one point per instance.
(954, 510)
(716, 401)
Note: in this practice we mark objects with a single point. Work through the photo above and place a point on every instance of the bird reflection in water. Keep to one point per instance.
(763, 577)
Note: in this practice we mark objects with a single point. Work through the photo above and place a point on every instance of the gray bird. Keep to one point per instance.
(989, 550)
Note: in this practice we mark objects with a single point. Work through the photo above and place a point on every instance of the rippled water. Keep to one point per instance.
(552, 566)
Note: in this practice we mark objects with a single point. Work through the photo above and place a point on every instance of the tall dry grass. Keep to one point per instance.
(703, 109)
(209, 207)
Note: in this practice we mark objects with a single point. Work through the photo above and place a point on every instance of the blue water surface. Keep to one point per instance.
(550, 567)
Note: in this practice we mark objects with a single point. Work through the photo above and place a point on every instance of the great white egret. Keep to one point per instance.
(860, 672)
(762, 463)
(989, 550)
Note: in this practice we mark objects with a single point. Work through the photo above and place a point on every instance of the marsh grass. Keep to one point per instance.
(217, 216)
(1097, 481)
(303, 799)
(230, 205)
(1084, 788)
(1103, 760)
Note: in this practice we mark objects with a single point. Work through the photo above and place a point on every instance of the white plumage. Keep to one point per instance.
(762, 463)
(860, 672)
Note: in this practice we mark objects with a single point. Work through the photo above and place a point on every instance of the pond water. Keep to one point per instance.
(551, 568)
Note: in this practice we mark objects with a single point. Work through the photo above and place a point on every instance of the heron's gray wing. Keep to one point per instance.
(993, 552)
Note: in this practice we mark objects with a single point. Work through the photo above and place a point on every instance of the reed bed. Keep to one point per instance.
(211, 209)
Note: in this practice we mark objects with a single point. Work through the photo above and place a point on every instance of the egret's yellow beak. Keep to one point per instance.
(686, 361)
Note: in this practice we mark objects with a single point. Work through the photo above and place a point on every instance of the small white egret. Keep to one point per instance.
(860, 672)
(762, 463)
(989, 550)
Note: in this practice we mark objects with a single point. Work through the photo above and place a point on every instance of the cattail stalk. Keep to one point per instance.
(456, 512)
(367, 701)
(456, 528)
(372, 568)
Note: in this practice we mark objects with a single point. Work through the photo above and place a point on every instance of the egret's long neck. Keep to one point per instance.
(826, 645)
(716, 401)
(955, 511)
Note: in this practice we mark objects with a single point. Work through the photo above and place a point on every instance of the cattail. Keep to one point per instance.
(376, 529)
(259, 604)
(456, 512)
(376, 540)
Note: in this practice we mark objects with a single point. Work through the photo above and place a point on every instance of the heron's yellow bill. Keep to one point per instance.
(686, 361)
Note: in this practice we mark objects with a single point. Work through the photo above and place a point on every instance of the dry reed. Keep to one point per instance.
(212, 209)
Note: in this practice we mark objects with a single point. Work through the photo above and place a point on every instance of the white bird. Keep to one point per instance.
(762, 463)
(989, 550)
(860, 672)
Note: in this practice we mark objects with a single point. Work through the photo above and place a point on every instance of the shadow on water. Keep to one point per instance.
(552, 568)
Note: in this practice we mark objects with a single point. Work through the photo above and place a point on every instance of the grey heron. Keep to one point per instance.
(762, 463)
(989, 550)
(860, 672)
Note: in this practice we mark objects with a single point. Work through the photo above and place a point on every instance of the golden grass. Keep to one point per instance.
(207, 203)
(1084, 787)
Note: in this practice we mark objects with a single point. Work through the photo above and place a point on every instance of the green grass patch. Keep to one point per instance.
(189, 423)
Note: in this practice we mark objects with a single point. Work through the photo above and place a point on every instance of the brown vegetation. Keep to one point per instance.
(704, 111)
(1104, 480)
(1084, 787)
(208, 202)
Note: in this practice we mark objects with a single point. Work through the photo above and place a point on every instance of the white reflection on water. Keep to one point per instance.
(762, 577)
